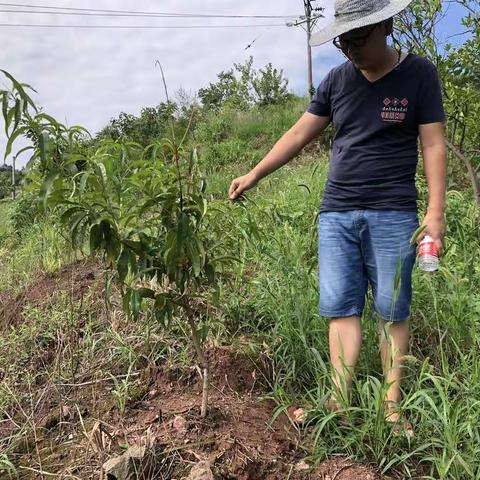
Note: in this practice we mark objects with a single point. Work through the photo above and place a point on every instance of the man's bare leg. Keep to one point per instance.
(345, 341)
(394, 337)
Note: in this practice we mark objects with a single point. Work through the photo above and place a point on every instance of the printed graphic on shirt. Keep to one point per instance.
(394, 110)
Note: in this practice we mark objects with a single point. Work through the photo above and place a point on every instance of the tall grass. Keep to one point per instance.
(276, 299)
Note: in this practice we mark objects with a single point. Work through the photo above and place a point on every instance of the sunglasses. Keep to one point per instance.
(359, 40)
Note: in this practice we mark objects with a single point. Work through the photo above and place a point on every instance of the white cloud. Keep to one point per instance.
(87, 76)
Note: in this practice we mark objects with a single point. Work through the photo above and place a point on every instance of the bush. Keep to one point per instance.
(24, 212)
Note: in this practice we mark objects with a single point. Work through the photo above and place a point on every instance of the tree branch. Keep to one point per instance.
(472, 172)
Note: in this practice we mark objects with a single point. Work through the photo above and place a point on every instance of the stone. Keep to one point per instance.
(201, 471)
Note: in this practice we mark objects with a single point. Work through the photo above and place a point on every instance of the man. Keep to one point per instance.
(380, 102)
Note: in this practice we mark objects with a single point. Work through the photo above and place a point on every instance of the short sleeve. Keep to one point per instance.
(430, 104)
(320, 104)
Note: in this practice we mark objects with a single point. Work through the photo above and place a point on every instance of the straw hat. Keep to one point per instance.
(351, 14)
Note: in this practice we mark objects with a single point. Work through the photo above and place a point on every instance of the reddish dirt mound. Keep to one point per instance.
(75, 278)
(344, 469)
(236, 438)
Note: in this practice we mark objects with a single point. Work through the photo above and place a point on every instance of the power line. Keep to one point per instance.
(86, 14)
(138, 26)
(139, 13)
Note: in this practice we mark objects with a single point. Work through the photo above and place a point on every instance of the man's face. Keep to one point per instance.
(364, 46)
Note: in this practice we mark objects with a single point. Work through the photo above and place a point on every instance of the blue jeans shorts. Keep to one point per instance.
(361, 247)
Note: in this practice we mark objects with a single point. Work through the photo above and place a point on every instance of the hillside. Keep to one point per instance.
(83, 383)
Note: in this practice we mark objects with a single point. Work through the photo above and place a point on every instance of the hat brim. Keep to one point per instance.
(338, 28)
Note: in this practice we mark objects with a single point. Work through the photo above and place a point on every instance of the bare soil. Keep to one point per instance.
(75, 279)
(76, 427)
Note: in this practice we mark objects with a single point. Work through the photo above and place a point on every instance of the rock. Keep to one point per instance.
(302, 465)
(201, 471)
(297, 415)
(125, 466)
(61, 414)
(179, 424)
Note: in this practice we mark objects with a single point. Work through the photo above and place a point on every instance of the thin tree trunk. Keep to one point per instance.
(474, 177)
(462, 139)
(201, 358)
(452, 138)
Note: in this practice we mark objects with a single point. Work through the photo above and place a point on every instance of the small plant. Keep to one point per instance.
(144, 209)
(6, 466)
(122, 387)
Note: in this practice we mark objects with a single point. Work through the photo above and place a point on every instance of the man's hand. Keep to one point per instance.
(290, 144)
(435, 223)
(240, 184)
(432, 139)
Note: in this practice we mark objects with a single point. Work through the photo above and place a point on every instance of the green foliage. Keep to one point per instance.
(232, 137)
(149, 127)
(25, 211)
(459, 67)
(243, 86)
(145, 216)
(6, 180)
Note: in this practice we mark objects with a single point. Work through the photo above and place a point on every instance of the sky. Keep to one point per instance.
(88, 76)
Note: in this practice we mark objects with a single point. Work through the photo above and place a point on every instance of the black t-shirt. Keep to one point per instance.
(374, 153)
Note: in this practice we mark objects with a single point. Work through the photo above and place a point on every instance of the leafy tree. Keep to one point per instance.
(243, 86)
(459, 69)
(6, 180)
(150, 126)
(144, 209)
(54, 146)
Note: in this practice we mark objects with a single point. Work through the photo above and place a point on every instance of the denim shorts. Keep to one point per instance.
(361, 247)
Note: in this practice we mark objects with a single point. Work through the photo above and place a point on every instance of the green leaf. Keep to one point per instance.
(112, 244)
(126, 301)
(75, 222)
(146, 293)
(135, 304)
(217, 294)
(21, 90)
(417, 233)
(83, 181)
(42, 144)
(160, 300)
(24, 149)
(203, 333)
(125, 261)
(194, 259)
(5, 110)
(210, 272)
(305, 186)
(224, 258)
(68, 213)
(103, 174)
(46, 187)
(10, 117)
(95, 237)
(11, 140)
(18, 113)
(136, 246)
(182, 230)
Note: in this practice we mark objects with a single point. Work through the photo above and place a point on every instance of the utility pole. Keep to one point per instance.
(309, 20)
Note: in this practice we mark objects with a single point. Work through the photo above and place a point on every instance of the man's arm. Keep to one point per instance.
(434, 152)
(289, 145)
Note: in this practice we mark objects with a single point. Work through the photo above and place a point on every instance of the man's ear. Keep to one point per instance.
(388, 26)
